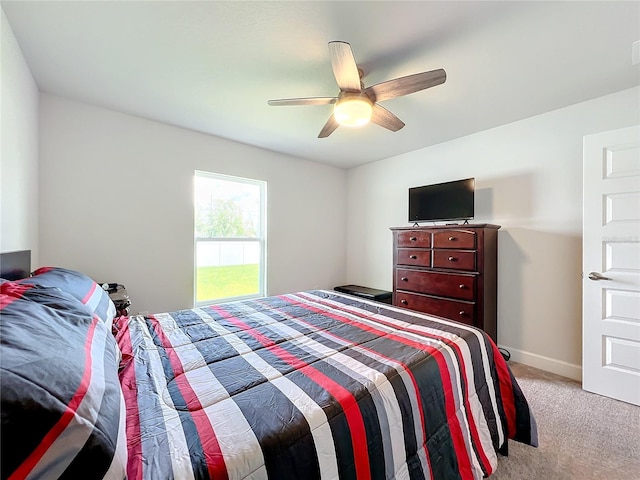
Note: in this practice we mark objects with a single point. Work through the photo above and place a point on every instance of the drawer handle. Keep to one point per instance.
(413, 257)
(452, 239)
(461, 312)
(413, 239)
(452, 259)
(462, 286)
(403, 301)
(404, 279)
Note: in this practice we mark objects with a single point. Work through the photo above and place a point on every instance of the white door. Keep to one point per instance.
(611, 265)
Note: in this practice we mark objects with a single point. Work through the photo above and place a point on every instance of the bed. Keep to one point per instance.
(313, 384)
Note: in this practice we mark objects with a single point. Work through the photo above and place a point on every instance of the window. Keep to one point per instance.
(230, 241)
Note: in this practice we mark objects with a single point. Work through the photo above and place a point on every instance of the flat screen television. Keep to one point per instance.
(442, 201)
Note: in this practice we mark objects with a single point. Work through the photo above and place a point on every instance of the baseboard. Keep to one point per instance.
(545, 363)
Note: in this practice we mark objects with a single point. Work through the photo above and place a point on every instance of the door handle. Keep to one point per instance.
(597, 276)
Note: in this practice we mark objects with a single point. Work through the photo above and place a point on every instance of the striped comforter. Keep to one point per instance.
(314, 385)
(62, 411)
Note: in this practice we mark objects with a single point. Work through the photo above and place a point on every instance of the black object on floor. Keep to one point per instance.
(505, 353)
(383, 296)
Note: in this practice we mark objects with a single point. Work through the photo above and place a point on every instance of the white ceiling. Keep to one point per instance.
(211, 66)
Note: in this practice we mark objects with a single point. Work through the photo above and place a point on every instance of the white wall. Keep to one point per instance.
(529, 180)
(116, 201)
(19, 149)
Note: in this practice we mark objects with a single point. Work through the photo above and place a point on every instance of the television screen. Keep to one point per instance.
(442, 201)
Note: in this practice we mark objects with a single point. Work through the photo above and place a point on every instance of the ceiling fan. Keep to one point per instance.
(356, 105)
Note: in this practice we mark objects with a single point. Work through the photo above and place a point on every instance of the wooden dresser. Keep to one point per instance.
(450, 271)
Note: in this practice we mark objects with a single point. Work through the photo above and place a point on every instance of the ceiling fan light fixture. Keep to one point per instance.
(355, 105)
(353, 111)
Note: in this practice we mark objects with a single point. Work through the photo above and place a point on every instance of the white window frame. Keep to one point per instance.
(261, 239)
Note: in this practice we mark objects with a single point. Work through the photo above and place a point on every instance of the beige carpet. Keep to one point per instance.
(582, 436)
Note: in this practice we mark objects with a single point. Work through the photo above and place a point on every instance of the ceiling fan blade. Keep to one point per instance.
(385, 118)
(329, 127)
(303, 101)
(405, 85)
(344, 66)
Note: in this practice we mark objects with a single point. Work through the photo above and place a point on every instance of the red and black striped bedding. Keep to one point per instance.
(314, 385)
(307, 385)
(62, 408)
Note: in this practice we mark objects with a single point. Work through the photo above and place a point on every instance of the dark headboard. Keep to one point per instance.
(15, 265)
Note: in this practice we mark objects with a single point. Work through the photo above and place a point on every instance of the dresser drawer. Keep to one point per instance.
(453, 285)
(455, 310)
(454, 239)
(414, 256)
(456, 259)
(414, 238)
